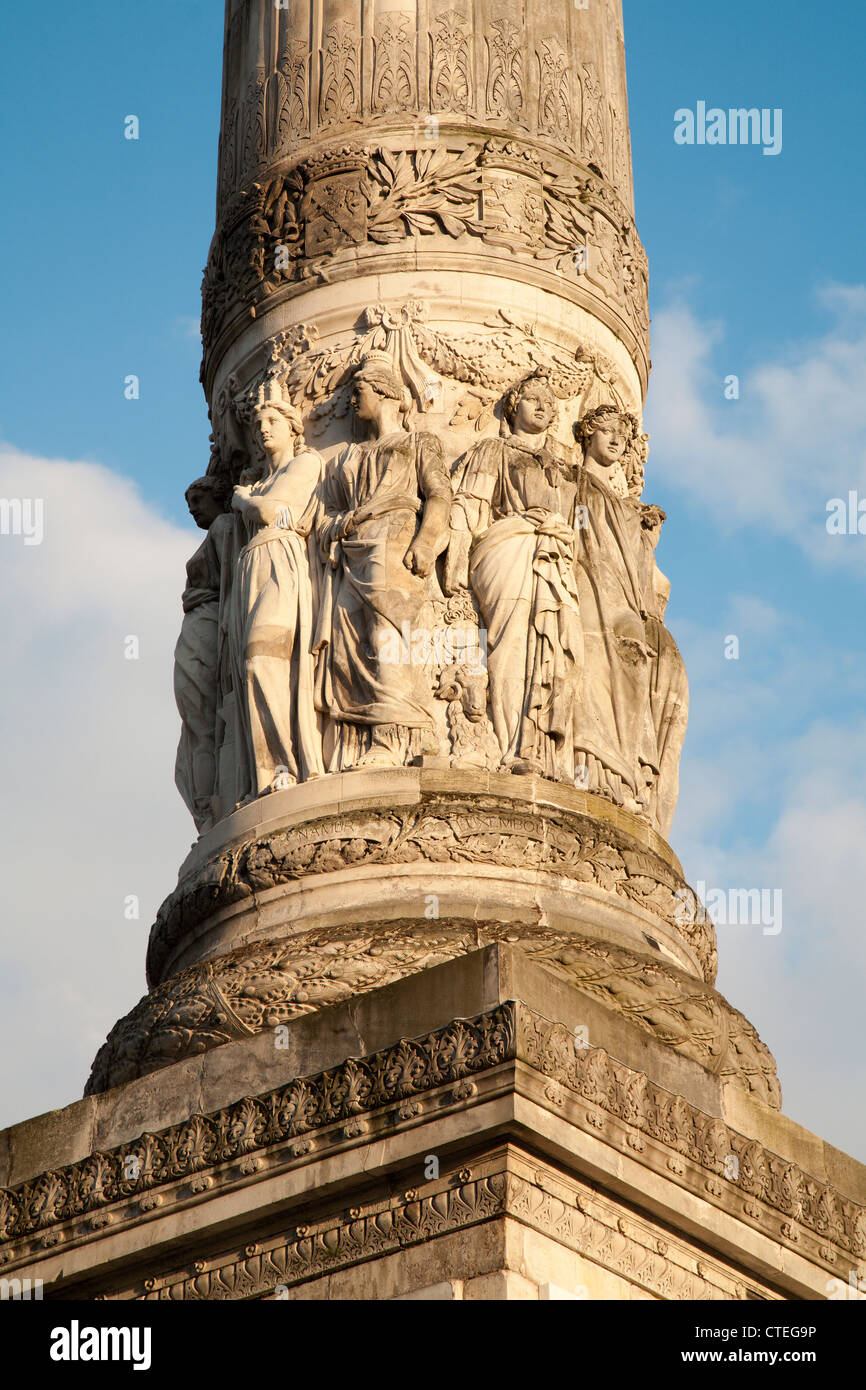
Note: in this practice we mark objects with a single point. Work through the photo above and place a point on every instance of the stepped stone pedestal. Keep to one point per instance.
(481, 1128)
(424, 1034)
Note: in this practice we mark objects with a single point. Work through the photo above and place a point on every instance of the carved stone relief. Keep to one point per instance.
(339, 90)
(395, 550)
(571, 1214)
(291, 118)
(394, 87)
(589, 1087)
(255, 125)
(369, 68)
(355, 197)
(593, 129)
(554, 91)
(451, 72)
(505, 88)
(255, 988)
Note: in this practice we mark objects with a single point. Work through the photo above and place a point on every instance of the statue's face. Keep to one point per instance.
(534, 413)
(607, 443)
(274, 431)
(203, 507)
(365, 400)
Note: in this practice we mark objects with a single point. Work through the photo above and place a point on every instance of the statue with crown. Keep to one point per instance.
(256, 673)
(310, 573)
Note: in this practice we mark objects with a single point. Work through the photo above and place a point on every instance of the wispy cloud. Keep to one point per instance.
(89, 813)
(794, 439)
(187, 326)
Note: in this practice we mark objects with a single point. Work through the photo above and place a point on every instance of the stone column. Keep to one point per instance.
(440, 193)
(465, 165)
(432, 1011)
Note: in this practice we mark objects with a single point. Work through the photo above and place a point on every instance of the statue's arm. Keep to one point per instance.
(295, 492)
(435, 486)
(331, 521)
(475, 478)
(262, 510)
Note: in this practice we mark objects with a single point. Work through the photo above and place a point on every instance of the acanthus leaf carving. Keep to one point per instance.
(394, 63)
(451, 74)
(339, 95)
(505, 78)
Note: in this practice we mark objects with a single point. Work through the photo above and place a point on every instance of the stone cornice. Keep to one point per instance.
(455, 828)
(257, 1134)
(507, 1185)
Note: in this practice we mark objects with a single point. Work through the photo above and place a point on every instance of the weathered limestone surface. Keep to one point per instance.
(431, 1012)
(575, 1157)
(428, 697)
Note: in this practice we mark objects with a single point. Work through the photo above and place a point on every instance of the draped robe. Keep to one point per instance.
(369, 595)
(196, 672)
(517, 501)
(614, 734)
(271, 632)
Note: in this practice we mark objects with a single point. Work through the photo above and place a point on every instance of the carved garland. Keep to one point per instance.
(568, 846)
(482, 366)
(258, 987)
(281, 230)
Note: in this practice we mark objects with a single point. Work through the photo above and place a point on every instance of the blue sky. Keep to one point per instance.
(755, 269)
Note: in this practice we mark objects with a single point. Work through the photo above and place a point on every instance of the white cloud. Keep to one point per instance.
(771, 798)
(89, 810)
(771, 793)
(188, 326)
(804, 988)
(795, 438)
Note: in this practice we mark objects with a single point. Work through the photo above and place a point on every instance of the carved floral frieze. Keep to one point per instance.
(572, 1214)
(289, 226)
(621, 1105)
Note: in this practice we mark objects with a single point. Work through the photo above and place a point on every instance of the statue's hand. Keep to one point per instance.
(554, 526)
(420, 559)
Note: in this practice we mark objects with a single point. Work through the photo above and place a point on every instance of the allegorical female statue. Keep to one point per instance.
(668, 682)
(272, 606)
(513, 539)
(383, 522)
(197, 654)
(622, 721)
